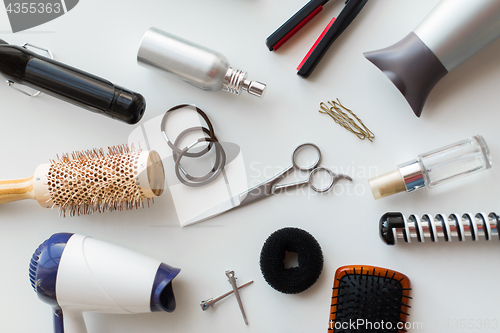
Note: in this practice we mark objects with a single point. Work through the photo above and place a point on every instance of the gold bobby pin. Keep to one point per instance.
(343, 119)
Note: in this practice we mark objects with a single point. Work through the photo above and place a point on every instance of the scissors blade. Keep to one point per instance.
(216, 210)
(253, 194)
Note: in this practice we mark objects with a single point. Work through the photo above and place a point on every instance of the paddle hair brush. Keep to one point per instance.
(92, 181)
(369, 299)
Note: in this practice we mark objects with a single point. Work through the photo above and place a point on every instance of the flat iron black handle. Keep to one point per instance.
(346, 16)
(297, 21)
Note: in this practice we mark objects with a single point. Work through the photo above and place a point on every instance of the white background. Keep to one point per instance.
(450, 281)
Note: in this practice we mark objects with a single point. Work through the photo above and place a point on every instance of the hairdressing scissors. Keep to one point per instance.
(270, 187)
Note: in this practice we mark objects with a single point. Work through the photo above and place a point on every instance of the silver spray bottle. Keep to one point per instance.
(197, 65)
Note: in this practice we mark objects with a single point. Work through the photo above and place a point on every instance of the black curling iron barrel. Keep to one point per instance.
(72, 85)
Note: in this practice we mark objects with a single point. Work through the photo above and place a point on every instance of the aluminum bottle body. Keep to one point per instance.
(192, 63)
(195, 64)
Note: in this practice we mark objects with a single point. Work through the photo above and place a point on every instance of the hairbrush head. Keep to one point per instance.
(372, 294)
(92, 181)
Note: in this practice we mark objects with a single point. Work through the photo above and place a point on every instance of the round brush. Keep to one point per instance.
(92, 181)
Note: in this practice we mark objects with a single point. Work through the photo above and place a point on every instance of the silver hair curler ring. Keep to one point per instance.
(395, 227)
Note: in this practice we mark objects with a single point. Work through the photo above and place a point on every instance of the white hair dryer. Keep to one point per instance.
(76, 274)
(452, 33)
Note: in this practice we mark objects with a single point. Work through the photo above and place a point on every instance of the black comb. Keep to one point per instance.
(369, 299)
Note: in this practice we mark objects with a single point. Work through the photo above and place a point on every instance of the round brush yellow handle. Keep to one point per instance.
(16, 189)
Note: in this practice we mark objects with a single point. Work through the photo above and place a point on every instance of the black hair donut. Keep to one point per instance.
(310, 257)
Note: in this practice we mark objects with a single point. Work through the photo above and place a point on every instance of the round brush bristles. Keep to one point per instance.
(95, 181)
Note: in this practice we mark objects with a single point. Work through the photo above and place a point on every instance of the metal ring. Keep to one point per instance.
(299, 148)
(217, 164)
(209, 177)
(186, 131)
(176, 149)
(332, 181)
(220, 157)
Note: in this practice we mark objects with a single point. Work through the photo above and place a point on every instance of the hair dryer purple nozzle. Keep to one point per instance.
(77, 274)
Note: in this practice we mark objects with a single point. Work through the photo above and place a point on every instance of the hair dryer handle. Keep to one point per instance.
(68, 322)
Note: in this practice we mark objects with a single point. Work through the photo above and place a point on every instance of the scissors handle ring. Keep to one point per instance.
(333, 178)
(298, 149)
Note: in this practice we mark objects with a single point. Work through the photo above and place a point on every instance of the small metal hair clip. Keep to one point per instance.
(209, 303)
(232, 280)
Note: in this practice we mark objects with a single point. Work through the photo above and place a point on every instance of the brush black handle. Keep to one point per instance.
(346, 16)
(70, 84)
